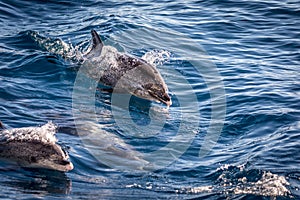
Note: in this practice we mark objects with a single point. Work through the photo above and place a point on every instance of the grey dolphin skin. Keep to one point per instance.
(34, 147)
(124, 72)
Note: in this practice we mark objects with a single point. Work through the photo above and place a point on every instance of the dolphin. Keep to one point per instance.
(34, 147)
(124, 72)
(121, 72)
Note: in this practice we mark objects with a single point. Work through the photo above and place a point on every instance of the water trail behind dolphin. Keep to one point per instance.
(59, 47)
(75, 52)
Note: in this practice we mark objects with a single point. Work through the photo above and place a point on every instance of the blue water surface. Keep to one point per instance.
(254, 45)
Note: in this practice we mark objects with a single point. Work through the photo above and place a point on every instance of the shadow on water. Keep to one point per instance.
(35, 181)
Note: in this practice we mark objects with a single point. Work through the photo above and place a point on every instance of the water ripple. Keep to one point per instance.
(255, 46)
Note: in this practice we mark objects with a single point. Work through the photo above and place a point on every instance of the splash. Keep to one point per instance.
(196, 190)
(237, 180)
(157, 57)
(269, 185)
(58, 47)
(76, 53)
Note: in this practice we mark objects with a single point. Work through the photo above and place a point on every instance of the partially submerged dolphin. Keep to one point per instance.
(34, 147)
(119, 71)
(124, 72)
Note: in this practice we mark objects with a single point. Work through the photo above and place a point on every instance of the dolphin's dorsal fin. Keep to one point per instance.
(2, 126)
(97, 44)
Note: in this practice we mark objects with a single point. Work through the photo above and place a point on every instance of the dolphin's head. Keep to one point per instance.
(145, 81)
(155, 91)
(34, 147)
(50, 156)
(153, 85)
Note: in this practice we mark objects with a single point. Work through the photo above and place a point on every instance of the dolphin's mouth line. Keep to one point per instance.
(161, 98)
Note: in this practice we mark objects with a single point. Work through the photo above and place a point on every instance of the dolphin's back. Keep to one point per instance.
(125, 64)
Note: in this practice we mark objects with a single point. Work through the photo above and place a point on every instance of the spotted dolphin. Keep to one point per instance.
(119, 71)
(34, 147)
(124, 72)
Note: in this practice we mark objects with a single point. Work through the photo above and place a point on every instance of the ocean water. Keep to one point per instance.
(232, 68)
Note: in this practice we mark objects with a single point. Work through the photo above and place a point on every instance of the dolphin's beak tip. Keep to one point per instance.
(70, 167)
(169, 103)
(162, 98)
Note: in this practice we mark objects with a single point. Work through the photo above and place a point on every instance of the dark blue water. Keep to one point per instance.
(250, 48)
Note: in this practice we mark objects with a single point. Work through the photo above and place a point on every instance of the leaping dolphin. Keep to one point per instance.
(124, 72)
(119, 71)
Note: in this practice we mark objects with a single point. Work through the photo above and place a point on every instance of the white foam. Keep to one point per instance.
(200, 189)
(270, 184)
(157, 57)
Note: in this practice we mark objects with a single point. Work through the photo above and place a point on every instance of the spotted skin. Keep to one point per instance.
(34, 147)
